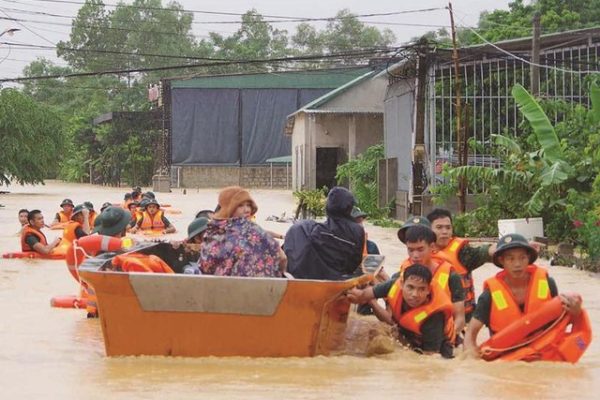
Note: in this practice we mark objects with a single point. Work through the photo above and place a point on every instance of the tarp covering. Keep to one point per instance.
(207, 128)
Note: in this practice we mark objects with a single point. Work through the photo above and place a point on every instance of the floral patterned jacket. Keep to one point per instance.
(238, 247)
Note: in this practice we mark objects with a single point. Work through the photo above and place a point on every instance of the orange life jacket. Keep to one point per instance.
(450, 254)
(29, 230)
(154, 223)
(69, 231)
(440, 276)
(135, 262)
(412, 320)
(531, 338)
(64, 217)
(504, 309)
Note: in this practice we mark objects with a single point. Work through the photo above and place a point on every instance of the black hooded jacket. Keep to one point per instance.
(330, 249)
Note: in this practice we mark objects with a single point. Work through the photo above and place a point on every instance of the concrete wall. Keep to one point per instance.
(263, 176)
(367, 97)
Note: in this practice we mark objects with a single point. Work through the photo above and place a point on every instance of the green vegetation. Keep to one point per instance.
(549, 171)
(311, 203)
(147, 34)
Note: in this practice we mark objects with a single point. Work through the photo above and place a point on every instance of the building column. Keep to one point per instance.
(352, 137)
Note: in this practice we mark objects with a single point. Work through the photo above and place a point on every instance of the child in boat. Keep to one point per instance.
(64, 215)
(422, 311)
(234, 245)
(519, 289)
(192, 244)
(153, 219)
(32, 238)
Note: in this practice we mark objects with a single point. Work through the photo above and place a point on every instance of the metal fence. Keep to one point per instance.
(487, 102)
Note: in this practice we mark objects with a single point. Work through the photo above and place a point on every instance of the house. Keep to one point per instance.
(221, 130)
(334, 128)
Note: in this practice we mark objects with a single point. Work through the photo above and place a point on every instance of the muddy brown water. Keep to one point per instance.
(48, 353)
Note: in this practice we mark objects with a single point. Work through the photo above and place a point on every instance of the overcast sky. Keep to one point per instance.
(49, 30)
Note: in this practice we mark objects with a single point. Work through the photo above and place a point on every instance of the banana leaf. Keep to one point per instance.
(543, 129)
(595, 98)
(556, 173)
(508, 143)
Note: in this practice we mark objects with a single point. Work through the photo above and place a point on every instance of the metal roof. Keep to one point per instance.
(317, 79)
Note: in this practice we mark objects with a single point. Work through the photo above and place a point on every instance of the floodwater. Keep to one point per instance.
(48, 353)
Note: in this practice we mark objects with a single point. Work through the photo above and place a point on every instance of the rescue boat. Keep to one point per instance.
(174, 314)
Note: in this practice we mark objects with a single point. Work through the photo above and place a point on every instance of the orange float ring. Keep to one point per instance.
(548, 334)
(58, 253)
(68, 302)
(90, 246)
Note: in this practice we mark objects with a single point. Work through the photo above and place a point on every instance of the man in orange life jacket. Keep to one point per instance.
(154, 219)
(64, 215)
(422, 311)
(420, 248)
(79, 226)
(32, 238)
(463, 257)
(519, 289)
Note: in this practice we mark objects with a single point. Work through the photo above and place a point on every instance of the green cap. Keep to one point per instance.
(78, 208)
(410, 222)
(112, 221)
(197, 226)
(513, 241)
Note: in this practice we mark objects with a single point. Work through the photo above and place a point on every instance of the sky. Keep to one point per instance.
(40, 29)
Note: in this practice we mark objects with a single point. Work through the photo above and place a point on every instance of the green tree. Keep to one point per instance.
(31, 138)
(343, 34)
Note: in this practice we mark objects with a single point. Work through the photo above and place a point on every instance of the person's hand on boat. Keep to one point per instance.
(360, 296)
(571, 303)
(56, 242)
(134, 230)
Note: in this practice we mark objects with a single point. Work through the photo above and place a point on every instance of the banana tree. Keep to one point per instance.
(536, 178)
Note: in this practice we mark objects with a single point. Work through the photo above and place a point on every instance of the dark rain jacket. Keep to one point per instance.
(330, 249)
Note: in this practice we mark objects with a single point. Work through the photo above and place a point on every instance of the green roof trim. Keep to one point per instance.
(280, 160)
(336, 92)
(318, 79)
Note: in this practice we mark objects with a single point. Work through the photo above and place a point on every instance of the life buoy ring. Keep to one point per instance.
(57, 253)
(547, 334)
(136, 262)
(68, 302)
(32, 254)
(90, 246)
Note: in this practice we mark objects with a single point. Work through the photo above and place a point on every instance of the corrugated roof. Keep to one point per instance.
(318, 79)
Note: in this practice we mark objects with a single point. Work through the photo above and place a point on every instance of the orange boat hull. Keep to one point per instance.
(195, 316)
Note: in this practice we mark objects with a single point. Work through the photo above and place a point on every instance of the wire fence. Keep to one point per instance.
(489, 108)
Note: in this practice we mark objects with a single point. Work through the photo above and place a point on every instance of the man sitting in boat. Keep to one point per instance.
(519, 289)
(136, 215)
(422, 310)
(153, 219)
(329, 250)
(234, 245)
(32, 238)
(79, 226)
(64, 215)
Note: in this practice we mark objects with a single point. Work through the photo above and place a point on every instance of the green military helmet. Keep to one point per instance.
(105, 206)
(196, 227)
(78, 208)
(112, 221)
(410, 222)
(513, 241)
(143, 204)
(67, 202)
(88, 205)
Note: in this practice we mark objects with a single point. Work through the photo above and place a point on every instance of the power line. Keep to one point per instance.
(240, 14)
(214, 64)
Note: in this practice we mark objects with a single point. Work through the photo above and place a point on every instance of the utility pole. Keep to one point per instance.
(535, 56)
(460, 137)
